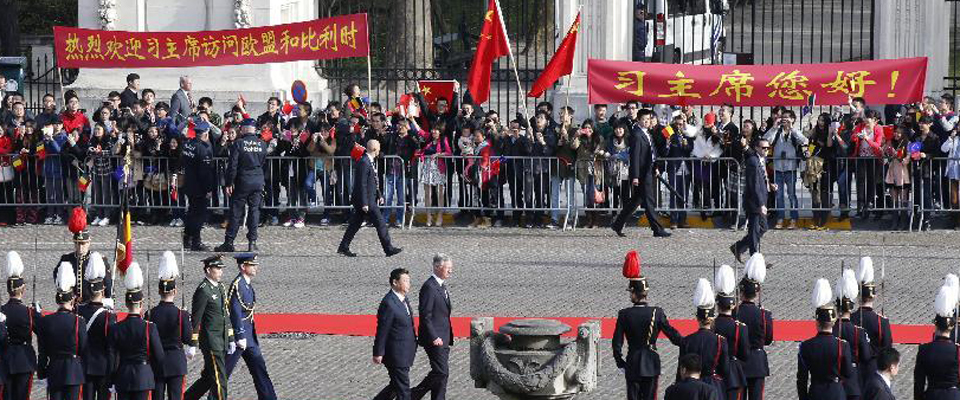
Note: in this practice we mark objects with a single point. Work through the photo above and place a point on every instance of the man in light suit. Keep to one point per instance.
(436, 333)
(643, 180)
(181, 103)
(366, 203)
(877, 387)
(395, 345)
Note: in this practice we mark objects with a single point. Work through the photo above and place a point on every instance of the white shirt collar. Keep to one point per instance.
(439, 281)
(885, 380)
(399, 296)
(370, 157)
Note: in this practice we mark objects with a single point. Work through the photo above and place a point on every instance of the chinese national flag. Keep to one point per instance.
(493, 44)
(561, 64)
(434, 90)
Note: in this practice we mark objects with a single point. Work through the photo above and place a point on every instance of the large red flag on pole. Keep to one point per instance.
(493, 44)
(561, 64)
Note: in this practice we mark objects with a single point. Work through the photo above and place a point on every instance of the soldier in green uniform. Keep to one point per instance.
(212, 330)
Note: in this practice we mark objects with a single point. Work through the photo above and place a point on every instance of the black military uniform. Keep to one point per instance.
(200, 182)
(690, 389)
(861, 355)
(822, 366)
(62, 337)
(212, 331)
(98, 355)
(138, 347)
(80, 264)
(173, 325)
(245, 174)
(18, 360)
(936, 375)
(738, 348)
(759, 324)
(641, 324)
(712, 349)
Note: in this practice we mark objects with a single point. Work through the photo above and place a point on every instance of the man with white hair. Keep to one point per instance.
(181, 103)
(436, 334)
(366, 200)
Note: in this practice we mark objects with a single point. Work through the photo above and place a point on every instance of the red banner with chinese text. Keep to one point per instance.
(898, 81)
(328, 38)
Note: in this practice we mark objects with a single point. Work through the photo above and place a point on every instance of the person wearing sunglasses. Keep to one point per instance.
(755, 199)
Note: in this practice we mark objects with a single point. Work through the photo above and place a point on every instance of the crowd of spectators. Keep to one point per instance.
(450, 155)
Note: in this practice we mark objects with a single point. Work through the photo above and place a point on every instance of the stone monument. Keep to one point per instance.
(527, 359)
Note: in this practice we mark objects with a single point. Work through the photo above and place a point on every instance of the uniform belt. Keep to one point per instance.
(829, 380)
(20, 344)
(64, 357)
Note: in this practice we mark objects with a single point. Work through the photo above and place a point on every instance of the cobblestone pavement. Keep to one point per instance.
(521, 273)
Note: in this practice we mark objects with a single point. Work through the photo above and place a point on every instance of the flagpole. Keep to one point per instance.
(369, 77)
(566, 89)
(513, 61)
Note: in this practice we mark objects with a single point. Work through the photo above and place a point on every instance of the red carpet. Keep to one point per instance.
(366, 325)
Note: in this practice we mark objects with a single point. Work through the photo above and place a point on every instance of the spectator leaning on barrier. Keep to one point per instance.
(679, 172)
(567, 156)
(322, 147)
(28, 178)
(589, 168)
(951, 147)
(101, 166)
(866, 143)
(897, 158)
(821, 169)
(707, 148)
(786, 142)
(617, 175)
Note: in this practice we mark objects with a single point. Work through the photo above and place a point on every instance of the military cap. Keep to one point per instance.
(248, 122)
(215, 261)
(247, 258)
(201, 126)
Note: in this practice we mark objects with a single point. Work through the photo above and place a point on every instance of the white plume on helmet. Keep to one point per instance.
(96, 269)
(725, 281)
(756, 268)
(846, 286)
(952, 281)
(865, 273)
(14, 265)
(168, 269)
(822, 295)
(133, 278)
(946, 301)
(703, 296)
(66, 279)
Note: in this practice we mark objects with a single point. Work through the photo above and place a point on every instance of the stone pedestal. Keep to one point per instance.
(223, 84)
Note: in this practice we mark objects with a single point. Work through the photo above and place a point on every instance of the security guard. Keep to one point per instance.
(641, 324)
(19, 359)
(211, 330)
(735, 331)
(62, 337)
(855, 336)
(243, 302)
(200, 174)
(174, 328)
(711, 347)
(935, 375)
(98, 356)
(244, 182)
(824, 360)
(80, 258)
(137, 342)
(759, 322)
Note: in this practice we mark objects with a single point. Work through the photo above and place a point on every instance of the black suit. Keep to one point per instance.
(434, 308)
(396, 342)
(876, 389)
(690, 389)
(641, 324)
(366, 194)
(754, 198)
(642, 155)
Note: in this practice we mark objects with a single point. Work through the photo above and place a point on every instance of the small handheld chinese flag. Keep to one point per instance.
(191, 133)
(493, 44)
(436, 90)
(561, 64)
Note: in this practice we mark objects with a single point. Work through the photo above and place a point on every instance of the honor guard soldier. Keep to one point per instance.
(173, 325)
(711, 347)
(243, 302)
(201, 181)
(759, 324)
(954, 282)
(212, 331)
(824, 361)
(19, 360)
(137, 343)
(690, 386)
(244, 183)
(877, 326)
(641, 324)
(62, 337)
(98, 355)
(736, 333)
(935, 376)
(862, 355)
(80, 258)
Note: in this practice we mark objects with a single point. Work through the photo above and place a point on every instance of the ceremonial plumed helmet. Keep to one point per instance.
(725, 283)
(95, 273)
(944, 305)
(631, 270)
(66, 280)
(823, 301)
(754, 273)
(703, 300)
(168, 272)
(868, 289)
(133, 282)
(846, 290)
(78, 225)
(14, 271)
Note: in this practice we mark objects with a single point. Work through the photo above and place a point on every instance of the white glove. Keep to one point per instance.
(3, 317)
(622, 371)
(108, 303)
(191, 352)
(113, 389)
(37, 307)
(231, 347)
(242, 344)
(40, 382)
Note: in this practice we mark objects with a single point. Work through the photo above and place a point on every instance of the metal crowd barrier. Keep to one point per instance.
(939, 188)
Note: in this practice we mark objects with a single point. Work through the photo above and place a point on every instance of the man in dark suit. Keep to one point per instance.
(181, 103)
(755, 199)
(643, 154)
(395, 345)
(129, 95)
(436, 333)
(878, 386)
(689, 386)
(366, 203)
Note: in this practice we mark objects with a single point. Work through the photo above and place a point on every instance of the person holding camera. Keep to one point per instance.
(707, 148)
(951, 147)
(821, 169)
(788, 148)
(867, 143)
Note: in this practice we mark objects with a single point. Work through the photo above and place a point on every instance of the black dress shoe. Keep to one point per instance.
(662, 233)
(225, 248)
(346, 252)
(199, 247)
(619, 232)
(736, 254)
(252, 247)
(393, 251)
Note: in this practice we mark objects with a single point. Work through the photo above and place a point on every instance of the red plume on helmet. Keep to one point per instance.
(631, 266)
(78, 220)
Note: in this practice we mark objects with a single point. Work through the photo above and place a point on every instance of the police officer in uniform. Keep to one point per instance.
(200, 174)
(137, 343)
(98, 356)
(935, 376)
(80, 259)
(855, 336)
(641, 324)
(711, 347)
(824, 362)
(243, 303)
(736, 333)
(211, 330)
(18, 360)
(244, 182)
(62, 338)
(876, 325)
(173, 326)
(759, 322)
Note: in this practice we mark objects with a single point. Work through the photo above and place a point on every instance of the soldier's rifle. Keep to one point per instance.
(183, 275)
(36, 257)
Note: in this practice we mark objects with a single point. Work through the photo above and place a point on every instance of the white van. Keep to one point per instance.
(689, 31)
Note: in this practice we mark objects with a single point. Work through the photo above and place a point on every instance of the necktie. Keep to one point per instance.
(406, 304)
(445, 293)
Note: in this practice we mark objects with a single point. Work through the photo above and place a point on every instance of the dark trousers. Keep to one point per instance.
(644, 389)
(18, 386)
(141, 395)
(866, 171)
(249, 201)
(64, 393)
(96, 388)
(436, 380)
(168, 388)
(756, 227)
(735, 394)
(213, 378)
(754, 389)
(399, 387)
(258, 370)
(640, 196)
(374, 217)
(196, 215)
